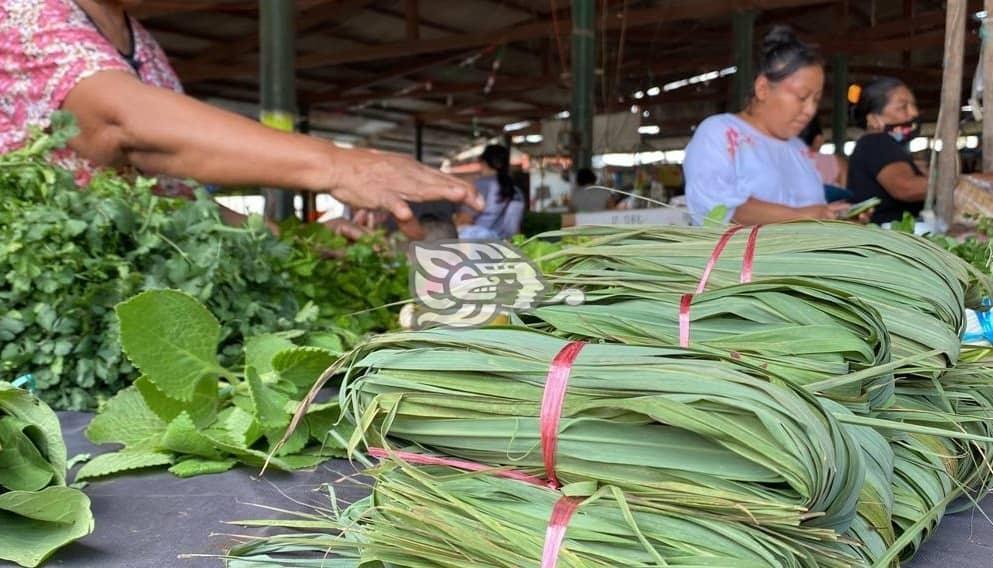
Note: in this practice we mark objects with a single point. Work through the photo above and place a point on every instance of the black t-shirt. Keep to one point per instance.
(873, 152)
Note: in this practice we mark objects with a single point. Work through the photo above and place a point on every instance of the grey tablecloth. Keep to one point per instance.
(148, 519)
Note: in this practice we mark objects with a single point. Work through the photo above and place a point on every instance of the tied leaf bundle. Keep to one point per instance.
(190, 412)
(917, 288)
(436, 516)
(798, 329)
(38, 513)
(675, 427)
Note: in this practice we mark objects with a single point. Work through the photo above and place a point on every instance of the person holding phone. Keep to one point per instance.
(881, 165)
(752, 162)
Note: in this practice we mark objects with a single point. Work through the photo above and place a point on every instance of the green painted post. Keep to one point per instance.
(743, 25)
(583, 67)
(839, 115)
(277, 83)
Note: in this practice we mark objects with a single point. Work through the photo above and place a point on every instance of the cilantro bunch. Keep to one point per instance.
(355, 287)
(69, 255)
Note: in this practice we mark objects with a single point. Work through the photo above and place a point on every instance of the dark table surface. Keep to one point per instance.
(148, 519)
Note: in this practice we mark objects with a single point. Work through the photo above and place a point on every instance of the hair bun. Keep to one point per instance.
(779, 36)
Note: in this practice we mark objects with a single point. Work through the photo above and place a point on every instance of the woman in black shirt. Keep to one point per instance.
(881, 165)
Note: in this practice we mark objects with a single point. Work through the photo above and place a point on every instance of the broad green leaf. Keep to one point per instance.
(296, 442)
(22, 467)
(302, 365)
(269, 405)
(171, 338)
(202, 408)
(235, 425)
(260, 350)
(191, 467)
(26, 407)
(33, 525)
(183, 437)
(127, 420)
(124, 460)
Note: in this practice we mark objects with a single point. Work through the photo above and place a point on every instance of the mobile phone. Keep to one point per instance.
(861, 207)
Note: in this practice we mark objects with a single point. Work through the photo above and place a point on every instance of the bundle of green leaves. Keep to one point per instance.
(357, 287)
(674, 426)
(435, 516)
(917, 288)
(192, 413)
(38, 513)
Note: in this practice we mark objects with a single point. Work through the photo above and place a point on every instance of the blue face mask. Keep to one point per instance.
(904, 132)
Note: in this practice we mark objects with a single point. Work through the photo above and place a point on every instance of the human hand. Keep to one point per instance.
(368, 179)
(347, 229)
(833, 210)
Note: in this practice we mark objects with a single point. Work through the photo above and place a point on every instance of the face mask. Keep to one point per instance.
(905, 131)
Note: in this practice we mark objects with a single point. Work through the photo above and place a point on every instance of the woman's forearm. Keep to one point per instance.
(758, 212)
(163, 132)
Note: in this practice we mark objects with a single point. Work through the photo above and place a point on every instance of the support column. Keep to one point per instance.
(744, 38)
(839, 94)
(309, 197)
(276, 76)
(419, 141)
(987, 56)
(413, 19)
(583, 62)
(951, 102)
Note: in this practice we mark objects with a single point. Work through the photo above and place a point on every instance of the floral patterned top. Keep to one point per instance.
(46, 48)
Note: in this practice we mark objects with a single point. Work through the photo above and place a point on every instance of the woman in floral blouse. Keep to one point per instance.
(90, 58)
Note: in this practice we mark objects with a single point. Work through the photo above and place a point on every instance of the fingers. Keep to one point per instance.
(412, 229)
(427, 184)
(400, 210)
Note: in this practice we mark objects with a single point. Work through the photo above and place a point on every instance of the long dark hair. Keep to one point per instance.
(783, 54)
(873, 98)
(498, 158)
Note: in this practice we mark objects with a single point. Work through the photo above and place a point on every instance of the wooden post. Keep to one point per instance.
(988, 88)
(413, 19)
(743, 26)
(419, 141)
(951, 109)
(839, 84)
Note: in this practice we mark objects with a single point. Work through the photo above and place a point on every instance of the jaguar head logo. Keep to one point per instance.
(472, 283)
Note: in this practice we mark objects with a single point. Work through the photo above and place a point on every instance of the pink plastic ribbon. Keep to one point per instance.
(687, 300)
(749, 257)
(556, 383)
(423, 459)
(684, 320)
(555, 533)
(716, 254)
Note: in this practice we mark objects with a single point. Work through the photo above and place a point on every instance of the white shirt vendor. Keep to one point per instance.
(728, 161)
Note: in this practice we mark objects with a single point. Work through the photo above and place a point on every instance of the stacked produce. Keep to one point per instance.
(799, 329)
(68, 255)
(38, 512)
(916, 287)
(844, 450)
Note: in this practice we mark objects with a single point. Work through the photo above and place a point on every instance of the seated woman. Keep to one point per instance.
(881, 165)
(752, 162)
(504, 210)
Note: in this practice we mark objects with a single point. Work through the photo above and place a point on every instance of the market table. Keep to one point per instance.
(146, 519)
